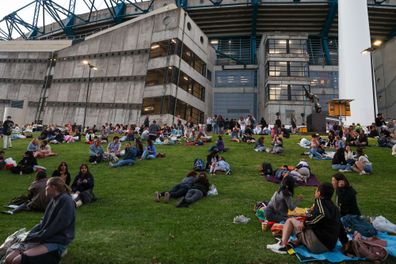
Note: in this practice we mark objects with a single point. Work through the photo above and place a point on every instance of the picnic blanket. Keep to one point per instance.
(336, 256)
(312, 181)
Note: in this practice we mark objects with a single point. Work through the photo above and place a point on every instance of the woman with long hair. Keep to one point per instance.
(82, 187)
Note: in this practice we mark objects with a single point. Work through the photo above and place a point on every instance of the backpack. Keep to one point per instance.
(199, 165)
(267, 169)
(371, 249)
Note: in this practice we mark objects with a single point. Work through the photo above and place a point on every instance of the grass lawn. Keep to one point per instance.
(125, 225)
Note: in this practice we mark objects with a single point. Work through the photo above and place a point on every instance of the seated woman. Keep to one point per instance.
(44, 151)
(349, 155)
(25, 166)
(198, 190)
(113, 150)
(178, 190)
(220, 165)
(362, 165)
(96, 152)
(345, 195)
(362, 139)
(219, 147)
(139, 147)
(128, 159)
(150, 151)
(59, 138)
(56, 229)
(338, 162)
(260, 147)
(235, 135)
(36, 198)
(314, 151)
(281, 202)
(89, 137)
(104, 134)
(33, 145)
(82, 187)
(330, 139)
(63, 173)
(277, 145)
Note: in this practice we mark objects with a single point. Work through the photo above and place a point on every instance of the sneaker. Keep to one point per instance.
(363, 173)
(228, 172)
(167, 197)
(111, 164)
(9, 212)
(94, 163)
(157, 196)
(277, 248)
(344, 170)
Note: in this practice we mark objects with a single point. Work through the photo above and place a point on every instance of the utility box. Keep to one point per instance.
(339, 107)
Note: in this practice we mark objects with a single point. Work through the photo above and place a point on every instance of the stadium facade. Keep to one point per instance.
(193, 59)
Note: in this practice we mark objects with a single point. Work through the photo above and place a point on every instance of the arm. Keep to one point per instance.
(317, 215)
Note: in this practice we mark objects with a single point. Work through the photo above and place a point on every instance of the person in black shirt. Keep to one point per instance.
(7, 130)
(345, 195)
(63, 173)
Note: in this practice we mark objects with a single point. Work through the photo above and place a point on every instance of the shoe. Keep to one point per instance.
(9, 212)
(363, 173)
(157, 196)
(182, 203)
(228, 172)
(278, 248)
(344, 170)
(111, 164)
(94, 163)
(167, 197)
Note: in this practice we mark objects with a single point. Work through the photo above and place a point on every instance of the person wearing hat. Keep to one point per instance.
(36, 199)
(7, 130)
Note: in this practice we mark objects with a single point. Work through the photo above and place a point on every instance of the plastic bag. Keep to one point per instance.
(241, 219)
(10, 161)
(213, 191)
(16, 237)
(384, 225)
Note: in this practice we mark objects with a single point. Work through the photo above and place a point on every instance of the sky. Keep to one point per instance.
(9, 6)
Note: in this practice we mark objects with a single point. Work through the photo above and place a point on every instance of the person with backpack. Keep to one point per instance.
(282, 201)
(320, 231)
(7, 131)
(179, 190)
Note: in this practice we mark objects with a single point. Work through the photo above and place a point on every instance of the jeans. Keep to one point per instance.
(315, 154)
(193, 195)
(341, 167)
(124, 162)
(215, 128)
(7, 141)
(146, 155)
(178, 190)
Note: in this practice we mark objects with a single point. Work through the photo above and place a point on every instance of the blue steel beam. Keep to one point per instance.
(253, 35)
(324, 34)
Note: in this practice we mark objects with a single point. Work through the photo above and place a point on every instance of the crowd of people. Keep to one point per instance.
(59, 195)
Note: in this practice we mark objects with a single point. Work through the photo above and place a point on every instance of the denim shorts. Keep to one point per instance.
(368, 168)
(55, 247)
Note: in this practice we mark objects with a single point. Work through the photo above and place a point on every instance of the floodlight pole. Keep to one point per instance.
(87, 95)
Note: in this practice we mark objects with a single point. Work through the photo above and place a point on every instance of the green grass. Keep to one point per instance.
(125, 225)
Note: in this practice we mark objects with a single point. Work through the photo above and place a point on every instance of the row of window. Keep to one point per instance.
(287, 69)
(235, 78)
(173, 75)
(286, 46)
(285, 92)
(169, 105)
(176, 47)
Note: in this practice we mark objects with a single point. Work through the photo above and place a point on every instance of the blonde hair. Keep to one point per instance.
(59, 184)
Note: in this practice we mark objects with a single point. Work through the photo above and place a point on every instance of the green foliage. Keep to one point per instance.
(125, 225)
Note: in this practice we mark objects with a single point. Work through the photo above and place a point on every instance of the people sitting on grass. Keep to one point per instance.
(26, 165)
(150, 152)
(179, 190)
(219, 147)
(36, 200)
(128, 159)
(301, 172)
(44, 150)
(54, 232)
(212, 157)
(220, 165)
(282, 201)
(235, 135)
(315, 151)
(320, 231)
(113, 150)
(259, 146)
(90, 137)
(139, 147)
(345, 195)
(277, 145)
(63, 172)
(198, 190)
(339, 162)
(82, 187)
(33, 146)
(96, 152)
(362, 165)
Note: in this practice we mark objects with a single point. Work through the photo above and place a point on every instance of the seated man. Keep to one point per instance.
(320, 231)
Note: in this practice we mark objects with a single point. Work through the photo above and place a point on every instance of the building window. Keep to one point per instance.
(234, 78)
(277, 46)
(298, 68)
(286, 46)
(285, 92)
(166, 104)
(287, 69)
(297, 46)
(169, 75)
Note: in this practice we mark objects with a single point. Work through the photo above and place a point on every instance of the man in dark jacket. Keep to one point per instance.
(320, 231)
(7, 130)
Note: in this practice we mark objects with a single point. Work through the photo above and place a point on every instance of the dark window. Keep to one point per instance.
(284, 92)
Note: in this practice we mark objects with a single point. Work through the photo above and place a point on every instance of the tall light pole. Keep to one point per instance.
(91, 67)
(376, 44)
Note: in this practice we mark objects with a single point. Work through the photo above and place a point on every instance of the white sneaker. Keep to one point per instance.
(362, 172)
(344, 170)
(277, 248)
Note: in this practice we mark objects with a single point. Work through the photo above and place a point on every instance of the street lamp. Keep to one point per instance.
(370, 50)
(91, 67)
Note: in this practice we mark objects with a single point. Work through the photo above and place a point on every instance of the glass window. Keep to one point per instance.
(277, 92)
(234, 78)
(159, 49)
(297, 46)
(155, 77)
(297, 92)
(277, 46)
(298, 69)
(277, 68)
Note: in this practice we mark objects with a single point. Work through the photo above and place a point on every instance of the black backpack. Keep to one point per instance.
(267, 169)
(199, 165)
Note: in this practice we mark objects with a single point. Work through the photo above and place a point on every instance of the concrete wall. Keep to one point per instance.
(384, 62)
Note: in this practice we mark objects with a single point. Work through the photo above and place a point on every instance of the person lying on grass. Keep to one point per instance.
(179, 190)
(282, 201)
(198, 190)
(220, 165)
(36, 200)
(82, 187)
(321, 230)
(56, 229)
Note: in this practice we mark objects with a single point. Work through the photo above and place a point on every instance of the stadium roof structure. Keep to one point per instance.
(215, 17)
